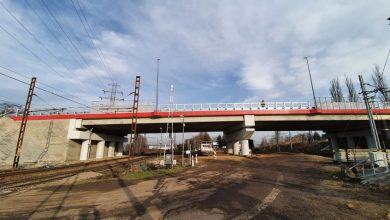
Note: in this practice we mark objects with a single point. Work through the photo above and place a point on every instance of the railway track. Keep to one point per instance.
(13, 180)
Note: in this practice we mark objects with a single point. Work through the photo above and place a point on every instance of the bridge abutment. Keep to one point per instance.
(351, 146)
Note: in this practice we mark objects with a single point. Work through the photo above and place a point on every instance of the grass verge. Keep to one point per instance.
(151, 173)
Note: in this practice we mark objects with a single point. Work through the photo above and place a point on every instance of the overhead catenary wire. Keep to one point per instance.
(33, 53)
(52, 33)
(7, 100)
(28, 49)
(91, 29)
(44, 101)
(32, 35)
(70, 40)
(387, 58)
(89, 35)
(50, 92)
(44, 84)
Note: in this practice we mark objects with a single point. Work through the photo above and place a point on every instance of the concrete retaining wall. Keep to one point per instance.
(35, 141)
(359, 154)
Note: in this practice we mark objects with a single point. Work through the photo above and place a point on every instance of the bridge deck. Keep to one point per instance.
(205, 114)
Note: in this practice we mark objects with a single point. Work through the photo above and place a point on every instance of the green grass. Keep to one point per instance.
(151, 173)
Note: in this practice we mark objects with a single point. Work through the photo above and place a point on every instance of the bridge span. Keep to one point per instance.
(346, 124)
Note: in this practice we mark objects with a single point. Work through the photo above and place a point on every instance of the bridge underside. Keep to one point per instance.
(124, 129)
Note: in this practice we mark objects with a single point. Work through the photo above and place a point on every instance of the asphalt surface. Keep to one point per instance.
(272, 186)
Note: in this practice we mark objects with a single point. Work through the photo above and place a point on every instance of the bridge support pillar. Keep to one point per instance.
(229, 147)
(111, 149)
(100, 149)
(236, 148)
(84, 153)
(350, 142)
(119, 153)
(370, 142)
(239, 136)
(244, 148)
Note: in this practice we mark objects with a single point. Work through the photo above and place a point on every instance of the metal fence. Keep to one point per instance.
(322, 103)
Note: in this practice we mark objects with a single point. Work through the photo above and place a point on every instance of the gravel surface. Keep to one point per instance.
(271, 186)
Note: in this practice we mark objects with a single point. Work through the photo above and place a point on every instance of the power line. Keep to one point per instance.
(47, 91)
(29, 50)
(26, 77)
(52, 33)
(5, 99)
(33, 35)
(90, 37)
(71, 42)
(44, 101)
(387, 58)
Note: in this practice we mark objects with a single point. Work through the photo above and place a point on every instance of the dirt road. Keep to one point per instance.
(274, 186)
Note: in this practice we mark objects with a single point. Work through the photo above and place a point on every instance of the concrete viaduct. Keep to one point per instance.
(343, 124)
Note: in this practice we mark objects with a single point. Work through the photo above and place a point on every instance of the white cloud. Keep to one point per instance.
(254, 48)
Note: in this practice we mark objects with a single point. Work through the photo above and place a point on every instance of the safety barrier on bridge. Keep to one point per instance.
(322, 103)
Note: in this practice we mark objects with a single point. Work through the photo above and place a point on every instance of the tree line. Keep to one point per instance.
(378, 81)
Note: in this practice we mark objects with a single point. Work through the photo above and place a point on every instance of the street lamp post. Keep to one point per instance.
(158, 69)
(311, 82)
(182, 144)
(160, 142)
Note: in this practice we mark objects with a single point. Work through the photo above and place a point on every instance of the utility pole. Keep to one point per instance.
(158, 69)
(171, 112)
(134, 117)
(371, 120)
(311, 82)
(160, 142)
(24, 123)
(182, 149)
(289, 134)
(189, 147)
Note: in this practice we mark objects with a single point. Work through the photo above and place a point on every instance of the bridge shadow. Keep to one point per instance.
(57, 190)
(134, 203)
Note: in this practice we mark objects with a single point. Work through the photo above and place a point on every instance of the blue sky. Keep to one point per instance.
(212, 51)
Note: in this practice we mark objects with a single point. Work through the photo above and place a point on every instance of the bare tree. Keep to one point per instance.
(141, 142)
(352, 94)
(264, 142)
(335, 90)
(277, 138)
(380, 83)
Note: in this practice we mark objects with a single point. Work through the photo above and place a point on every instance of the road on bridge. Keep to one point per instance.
(273, 186)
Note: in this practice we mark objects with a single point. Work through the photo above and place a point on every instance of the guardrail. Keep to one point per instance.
(235, 106)
(321, 104)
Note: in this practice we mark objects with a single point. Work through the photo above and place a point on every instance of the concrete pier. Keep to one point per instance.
(229, 147)
(84, 153)
(100, 149)
(236, 148)
(120, 149)
(111, 149)
(244, 148)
